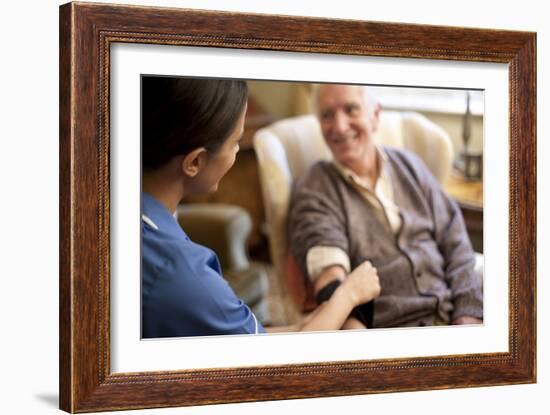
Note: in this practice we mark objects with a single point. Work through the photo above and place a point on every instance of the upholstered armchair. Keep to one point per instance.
(225, 229)
(287, 148)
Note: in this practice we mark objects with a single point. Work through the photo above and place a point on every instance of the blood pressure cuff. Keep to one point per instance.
(364, 312)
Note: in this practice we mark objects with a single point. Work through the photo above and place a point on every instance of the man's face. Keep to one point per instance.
(348, 122)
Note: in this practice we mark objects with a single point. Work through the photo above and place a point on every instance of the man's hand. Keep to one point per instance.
(466, 320)
(362, 284)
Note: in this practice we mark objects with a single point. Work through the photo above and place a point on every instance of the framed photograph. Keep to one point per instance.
(105, 50)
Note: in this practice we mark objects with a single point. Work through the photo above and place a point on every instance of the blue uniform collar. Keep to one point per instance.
(155, 214)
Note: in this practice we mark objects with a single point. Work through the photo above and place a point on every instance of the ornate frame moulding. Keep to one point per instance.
(86, 33)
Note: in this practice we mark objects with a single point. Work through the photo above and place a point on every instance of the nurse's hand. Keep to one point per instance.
(362, 284)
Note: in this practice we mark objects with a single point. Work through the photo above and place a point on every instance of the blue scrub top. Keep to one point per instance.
(182, 290)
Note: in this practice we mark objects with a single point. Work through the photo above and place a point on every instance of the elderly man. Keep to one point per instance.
(382, 205)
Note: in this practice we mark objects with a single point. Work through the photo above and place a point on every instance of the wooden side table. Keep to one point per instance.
(469, 196)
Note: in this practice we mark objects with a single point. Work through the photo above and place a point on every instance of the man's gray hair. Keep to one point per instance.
(368, 96)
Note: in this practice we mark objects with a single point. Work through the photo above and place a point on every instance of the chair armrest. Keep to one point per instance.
(222, 228)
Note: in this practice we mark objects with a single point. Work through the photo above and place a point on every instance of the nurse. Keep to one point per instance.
(191, 130)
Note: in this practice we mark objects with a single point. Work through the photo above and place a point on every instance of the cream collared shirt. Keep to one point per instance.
(381, 198)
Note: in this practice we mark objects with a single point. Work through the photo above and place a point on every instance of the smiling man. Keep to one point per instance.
(382, 205)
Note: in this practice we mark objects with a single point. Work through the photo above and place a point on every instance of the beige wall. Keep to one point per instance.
(282, 99)
(452, 123)
(276, 98)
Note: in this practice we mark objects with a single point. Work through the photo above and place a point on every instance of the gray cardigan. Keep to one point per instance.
(426, 271)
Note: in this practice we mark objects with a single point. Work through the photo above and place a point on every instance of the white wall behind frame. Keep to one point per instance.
(28, 163)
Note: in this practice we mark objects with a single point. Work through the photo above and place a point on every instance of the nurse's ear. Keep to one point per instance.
(193, 162)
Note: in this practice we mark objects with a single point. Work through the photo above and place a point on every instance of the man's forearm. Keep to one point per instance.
(329, 274)
(353, 323)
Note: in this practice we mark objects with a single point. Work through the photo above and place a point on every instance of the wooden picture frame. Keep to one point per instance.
(86, 33)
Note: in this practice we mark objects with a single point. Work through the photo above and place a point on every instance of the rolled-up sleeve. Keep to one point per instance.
(320, 257)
